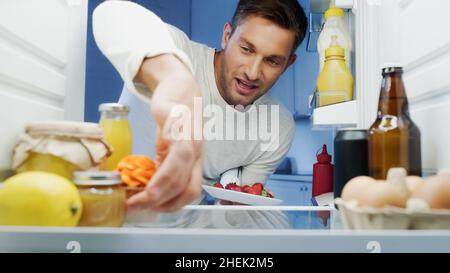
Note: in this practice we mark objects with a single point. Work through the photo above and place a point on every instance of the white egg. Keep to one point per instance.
(382, 194)
(413, 182)
(355, 187)
(435, 191)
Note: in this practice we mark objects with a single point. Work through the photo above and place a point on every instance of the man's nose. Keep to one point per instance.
(254, 70)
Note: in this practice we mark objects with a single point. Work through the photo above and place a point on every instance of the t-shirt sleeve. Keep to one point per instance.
(127, 33)
(267, 163)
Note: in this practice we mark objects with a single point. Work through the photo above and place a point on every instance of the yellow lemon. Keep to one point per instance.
(39, 199)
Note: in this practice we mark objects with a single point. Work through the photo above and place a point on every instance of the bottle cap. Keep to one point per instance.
(391, 69)
(324, 157)
(334, 12)
(113, 107)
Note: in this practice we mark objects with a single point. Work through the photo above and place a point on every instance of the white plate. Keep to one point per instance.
(240, 197)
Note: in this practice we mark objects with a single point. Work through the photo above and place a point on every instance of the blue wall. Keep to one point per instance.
(207, 26)
(103, 83)
(306, 144)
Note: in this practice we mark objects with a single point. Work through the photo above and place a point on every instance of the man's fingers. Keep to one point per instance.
(141, 200)
(192, 192)
(162, 181)
(173, 175)
(151, 198)
(162, 186)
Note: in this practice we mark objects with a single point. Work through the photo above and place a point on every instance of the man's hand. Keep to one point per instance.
(179, 177)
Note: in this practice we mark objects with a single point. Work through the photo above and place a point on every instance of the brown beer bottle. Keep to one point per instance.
(394, 139)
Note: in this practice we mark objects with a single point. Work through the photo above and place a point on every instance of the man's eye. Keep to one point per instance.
(273, 63)
(245, 49)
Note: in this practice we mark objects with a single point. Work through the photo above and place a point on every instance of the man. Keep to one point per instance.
(163, 68)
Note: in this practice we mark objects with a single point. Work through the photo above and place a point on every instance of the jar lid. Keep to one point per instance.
(113, 107)
(97, 178)
(65, 128)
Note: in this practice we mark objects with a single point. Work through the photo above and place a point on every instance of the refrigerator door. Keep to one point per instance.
(42, 72)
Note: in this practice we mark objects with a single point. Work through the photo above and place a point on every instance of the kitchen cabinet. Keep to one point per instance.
(293, 190)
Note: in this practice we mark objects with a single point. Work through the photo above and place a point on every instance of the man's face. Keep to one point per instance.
(253, 58)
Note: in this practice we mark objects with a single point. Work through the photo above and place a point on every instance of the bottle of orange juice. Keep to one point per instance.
(117, 132)
(335, 82)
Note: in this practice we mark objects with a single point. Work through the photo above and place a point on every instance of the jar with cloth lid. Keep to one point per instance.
(60, 147)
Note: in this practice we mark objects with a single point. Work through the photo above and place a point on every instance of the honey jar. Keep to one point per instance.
(60, 147)
(103, 199)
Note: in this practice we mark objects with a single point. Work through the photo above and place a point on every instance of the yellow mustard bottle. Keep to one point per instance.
(117, 133)
(335, 82)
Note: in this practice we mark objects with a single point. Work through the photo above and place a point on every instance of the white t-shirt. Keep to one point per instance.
(127, 33)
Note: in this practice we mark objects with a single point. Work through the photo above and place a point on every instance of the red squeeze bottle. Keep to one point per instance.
(323, 174)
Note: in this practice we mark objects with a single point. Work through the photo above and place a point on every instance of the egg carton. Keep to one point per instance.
(356, 218)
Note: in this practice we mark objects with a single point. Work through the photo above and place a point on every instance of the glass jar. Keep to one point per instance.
(48, 163)
(60, 147)
(103, 199)
(117, 132)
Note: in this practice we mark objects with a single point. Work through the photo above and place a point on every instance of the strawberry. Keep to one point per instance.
(238, 189)
(233, 187)
(245, 188)
(258, 187)
(230, 186)
(218, 185)
(252, 190)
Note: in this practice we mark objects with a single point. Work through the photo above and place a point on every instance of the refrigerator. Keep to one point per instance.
(53, 70)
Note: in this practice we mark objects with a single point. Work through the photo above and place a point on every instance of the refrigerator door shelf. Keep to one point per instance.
(337, 115)
(320, 6)
(345, 4)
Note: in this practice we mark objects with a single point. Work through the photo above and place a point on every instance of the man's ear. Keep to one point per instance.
(227, 28)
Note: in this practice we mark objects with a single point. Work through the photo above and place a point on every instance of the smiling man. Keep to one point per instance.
(162, 68)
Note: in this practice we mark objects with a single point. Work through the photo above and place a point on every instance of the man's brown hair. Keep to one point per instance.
(287, 14)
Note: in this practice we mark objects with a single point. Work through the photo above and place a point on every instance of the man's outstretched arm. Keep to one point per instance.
(140, 47)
